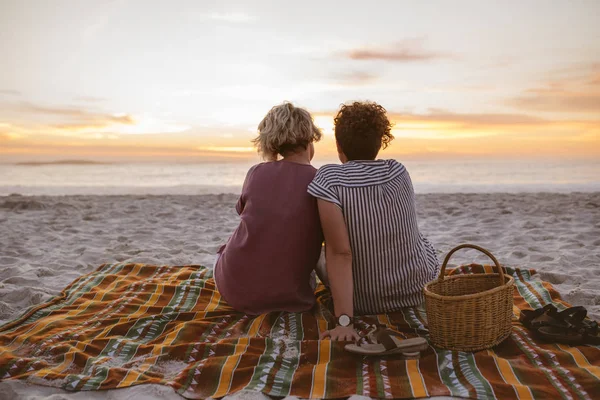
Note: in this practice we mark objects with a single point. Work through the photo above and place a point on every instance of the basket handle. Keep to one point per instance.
(471, 246)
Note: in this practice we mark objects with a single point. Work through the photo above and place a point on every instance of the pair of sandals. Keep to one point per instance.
(379, 341)
(569, 326)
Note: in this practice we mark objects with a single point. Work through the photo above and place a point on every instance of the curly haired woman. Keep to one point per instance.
(376, 259)
(268, 263)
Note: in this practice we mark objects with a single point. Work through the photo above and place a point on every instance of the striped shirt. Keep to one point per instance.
(391, 260)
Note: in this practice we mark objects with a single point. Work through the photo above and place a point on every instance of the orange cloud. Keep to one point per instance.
(118, 147)
(78, 114)
(442, 120)
(449, 134)
(558, 100)
(569, 90)
(436, 133)
(467, 121)
(405, 51)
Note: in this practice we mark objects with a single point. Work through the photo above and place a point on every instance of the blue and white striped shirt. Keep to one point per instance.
(391, 260)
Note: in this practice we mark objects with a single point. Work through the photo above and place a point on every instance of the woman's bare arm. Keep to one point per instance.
(339, 267)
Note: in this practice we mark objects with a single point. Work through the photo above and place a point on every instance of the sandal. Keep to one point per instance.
(385, 342)
(569, 326)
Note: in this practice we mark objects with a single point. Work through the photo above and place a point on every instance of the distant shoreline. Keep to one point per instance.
(61, 162)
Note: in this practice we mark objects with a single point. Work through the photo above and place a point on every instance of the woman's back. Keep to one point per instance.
(267, 263)
(391, 260)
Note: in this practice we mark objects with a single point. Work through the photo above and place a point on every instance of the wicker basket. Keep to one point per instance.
(469, 312)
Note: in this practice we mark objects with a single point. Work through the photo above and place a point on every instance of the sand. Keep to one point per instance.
(48, 241)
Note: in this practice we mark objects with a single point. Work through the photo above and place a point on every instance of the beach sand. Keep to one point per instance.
(48, 241)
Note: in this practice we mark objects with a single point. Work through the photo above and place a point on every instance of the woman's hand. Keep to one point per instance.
(341, 333)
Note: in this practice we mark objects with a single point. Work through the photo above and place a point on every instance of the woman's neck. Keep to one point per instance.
(299, 157)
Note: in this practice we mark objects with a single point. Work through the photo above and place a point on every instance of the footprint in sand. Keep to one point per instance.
(531, 225)
(585, 297)
(122, 257)
(555, 277)
(518, 254)
(40, 272)
(37, 298)
(5, 310)
(8, 260)
(543, 258)
(571, 246)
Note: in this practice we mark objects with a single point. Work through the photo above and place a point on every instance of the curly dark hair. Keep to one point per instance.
(362, 129)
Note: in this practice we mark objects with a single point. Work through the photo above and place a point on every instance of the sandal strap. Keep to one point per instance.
(381, 334)
(527, 316)
(384, 336)
(368, 335)
(571, 315)
(591, 338)
(576, 318)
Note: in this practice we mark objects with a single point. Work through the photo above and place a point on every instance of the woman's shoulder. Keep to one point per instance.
(329, 172)
(280, 170)
(328, 169)
(254, 168)
(395, 165)
(358, 168)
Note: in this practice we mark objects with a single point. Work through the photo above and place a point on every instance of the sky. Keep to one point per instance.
(191, 80)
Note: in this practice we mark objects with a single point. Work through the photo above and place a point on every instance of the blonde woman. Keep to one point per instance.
(267, 263)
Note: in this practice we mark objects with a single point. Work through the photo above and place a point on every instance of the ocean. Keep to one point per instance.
(428, 176)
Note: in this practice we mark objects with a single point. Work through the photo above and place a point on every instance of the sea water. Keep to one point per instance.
(428, 176)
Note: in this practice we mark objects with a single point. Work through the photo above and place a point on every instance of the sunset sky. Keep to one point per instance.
(190, 80)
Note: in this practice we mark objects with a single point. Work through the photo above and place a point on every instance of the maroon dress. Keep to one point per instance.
(267, 263)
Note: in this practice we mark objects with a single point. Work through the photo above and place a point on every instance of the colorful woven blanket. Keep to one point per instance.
(129, 324)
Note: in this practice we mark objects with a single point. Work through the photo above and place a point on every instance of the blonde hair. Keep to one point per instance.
(283, 129)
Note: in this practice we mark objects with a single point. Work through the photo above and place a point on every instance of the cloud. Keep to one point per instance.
(73, 116)
(575, 73)
(437, 124)
(469, 121)
(402, 52)
(227, 149)
(458, 120)
(558, 100)
(442, 124)
(571, 89)
(84, 123)
(10, 92)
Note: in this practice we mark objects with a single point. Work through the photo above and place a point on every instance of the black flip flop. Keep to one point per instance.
(569, 326)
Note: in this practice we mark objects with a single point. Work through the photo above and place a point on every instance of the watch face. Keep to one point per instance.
(344, 320)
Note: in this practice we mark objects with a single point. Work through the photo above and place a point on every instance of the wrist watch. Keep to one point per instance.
(344, 320)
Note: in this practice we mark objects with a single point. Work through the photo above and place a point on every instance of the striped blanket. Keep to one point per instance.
(129, 324)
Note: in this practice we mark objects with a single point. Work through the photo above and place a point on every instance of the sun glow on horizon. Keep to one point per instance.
(325, 123)
(104, 82)
(227, 149)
